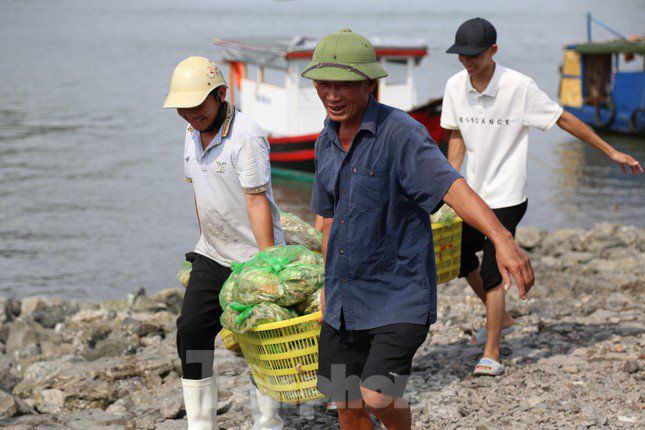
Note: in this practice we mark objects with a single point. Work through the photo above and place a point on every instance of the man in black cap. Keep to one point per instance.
(489, 109)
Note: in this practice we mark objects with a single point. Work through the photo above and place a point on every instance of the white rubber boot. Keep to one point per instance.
(200, 399)
(264, 411)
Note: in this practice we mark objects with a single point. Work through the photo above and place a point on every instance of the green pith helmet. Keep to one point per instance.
(344, 56)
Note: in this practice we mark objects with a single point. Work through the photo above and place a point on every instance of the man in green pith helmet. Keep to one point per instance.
(378, 175)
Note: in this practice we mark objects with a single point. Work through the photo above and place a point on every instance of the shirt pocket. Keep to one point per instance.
(369, 188)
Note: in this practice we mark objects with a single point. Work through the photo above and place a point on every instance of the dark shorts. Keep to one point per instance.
(473, 240)
(379, 359)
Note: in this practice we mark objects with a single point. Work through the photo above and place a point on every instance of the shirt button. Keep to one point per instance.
(342, 251)
(342, 221)
(343, 280)
(343, 190)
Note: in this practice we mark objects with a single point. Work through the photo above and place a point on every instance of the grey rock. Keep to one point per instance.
(24, 406)
(560, 241)
(26, 338)
(172, 297)
(132, 298)
(4, 315)
(9, 375)
(573, 258)
(8, 407)
(50, 401)
(632, 366)
(47, 311)
(529, 237)
(171, 425)
(111, 347)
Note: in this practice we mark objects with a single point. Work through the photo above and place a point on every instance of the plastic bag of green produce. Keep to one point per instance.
(285, 275)
(445, 215)
(311, 304)
(183, 273)
(256, 285)
(299, 282)
(278, 257)
(240, 318)
(226, 293)
(299, 232)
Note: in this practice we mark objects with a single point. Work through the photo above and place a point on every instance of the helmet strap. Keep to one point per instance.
(219, 118)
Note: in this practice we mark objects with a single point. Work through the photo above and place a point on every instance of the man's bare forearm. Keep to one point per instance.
(475, 212)
(569, 123)
(456, 149)
(258, 209)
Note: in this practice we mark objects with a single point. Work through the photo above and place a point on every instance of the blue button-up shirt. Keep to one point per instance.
(380, 266)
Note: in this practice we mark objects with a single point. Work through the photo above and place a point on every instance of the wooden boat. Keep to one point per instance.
(265, 82)
(603, 82)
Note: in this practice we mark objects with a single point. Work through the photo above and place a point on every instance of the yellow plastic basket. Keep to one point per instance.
(229, 340)
(447, 249)
(283, 356)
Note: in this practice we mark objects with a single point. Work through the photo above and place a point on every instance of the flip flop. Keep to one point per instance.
(480, 337)
(488, 367)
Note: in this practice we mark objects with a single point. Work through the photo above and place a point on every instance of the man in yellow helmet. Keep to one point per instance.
(226, 158)
(378, 175)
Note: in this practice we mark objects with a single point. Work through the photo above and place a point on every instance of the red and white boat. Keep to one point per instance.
(265, 83)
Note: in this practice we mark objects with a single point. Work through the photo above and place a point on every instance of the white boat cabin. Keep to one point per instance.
(265, 82)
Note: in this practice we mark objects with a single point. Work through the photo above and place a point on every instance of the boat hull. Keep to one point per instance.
(617, 121)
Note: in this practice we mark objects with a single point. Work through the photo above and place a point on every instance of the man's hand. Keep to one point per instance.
(512, 261)
(322, 305)
(626, 160)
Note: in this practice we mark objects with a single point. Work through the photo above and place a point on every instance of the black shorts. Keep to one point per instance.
(379, 359)
(473, 240)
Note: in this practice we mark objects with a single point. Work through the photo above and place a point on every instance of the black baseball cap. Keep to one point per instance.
(473, 37)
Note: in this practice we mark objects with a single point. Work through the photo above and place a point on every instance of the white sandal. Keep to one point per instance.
(488, 367)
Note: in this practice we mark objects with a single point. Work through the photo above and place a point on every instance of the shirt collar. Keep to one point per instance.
(223, 132)
(493, 85)
(370, 118)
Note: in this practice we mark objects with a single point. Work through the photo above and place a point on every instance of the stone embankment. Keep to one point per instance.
(575, 360)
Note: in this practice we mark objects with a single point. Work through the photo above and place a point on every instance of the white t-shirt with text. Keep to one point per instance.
(495, 125)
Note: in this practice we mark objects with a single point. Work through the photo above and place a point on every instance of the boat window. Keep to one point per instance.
(274, 76)
(397, 70)
(597, 78)
(253, 72)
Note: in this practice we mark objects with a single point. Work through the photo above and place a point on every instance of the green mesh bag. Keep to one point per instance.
(183, 273)
(256, 285)
(311, 304)
(299, 232)
(226, 293)
(300, 281)
(240, 318)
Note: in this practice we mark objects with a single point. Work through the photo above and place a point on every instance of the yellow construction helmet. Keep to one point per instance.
(192, 81)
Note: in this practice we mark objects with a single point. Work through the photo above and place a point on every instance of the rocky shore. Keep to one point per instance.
(575, 361)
